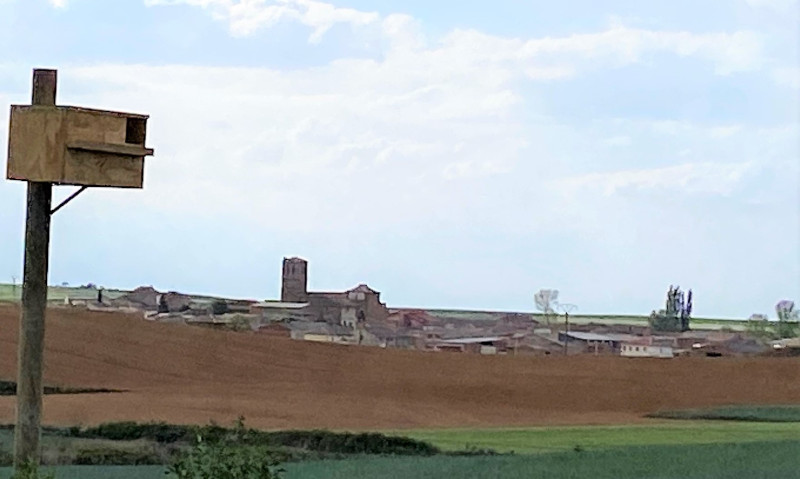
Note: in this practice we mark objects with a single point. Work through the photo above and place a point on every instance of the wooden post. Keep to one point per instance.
(34, 299)
(566, 337)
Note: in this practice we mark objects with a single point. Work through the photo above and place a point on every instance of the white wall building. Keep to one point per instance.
(632, 350)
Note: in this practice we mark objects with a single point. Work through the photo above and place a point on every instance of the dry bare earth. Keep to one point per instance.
(182, 374)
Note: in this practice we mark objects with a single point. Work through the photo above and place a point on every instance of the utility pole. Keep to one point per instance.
(34, 297)
(566, 309)
(48, 145)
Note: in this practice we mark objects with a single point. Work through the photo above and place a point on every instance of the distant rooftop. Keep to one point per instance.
(588, 336)
(486, 339)
(296, 259)
(279, 305)
(362, 288)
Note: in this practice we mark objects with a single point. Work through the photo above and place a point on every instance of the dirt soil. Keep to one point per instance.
(183, 374)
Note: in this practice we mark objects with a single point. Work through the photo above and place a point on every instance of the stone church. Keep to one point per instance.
(349, 308)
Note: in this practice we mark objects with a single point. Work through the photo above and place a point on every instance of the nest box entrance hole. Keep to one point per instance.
(135, 131)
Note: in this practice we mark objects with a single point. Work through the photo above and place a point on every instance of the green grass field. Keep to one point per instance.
(789, 413)
(711, 461)
(681, 449)
(99, 472)
(635, 320)
(556, 439)
(10, 293)
(754, 460)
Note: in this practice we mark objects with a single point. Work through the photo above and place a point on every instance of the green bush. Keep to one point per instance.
(349, 443)
(473, 450)
(30, 470)
(116, 457)
(131, 431)
(293, 444)
(225, 461)
(661, 321)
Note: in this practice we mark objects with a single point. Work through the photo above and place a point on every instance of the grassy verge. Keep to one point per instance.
(789, 413)
(555, 439)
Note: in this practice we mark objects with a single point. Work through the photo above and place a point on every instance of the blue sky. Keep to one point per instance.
(449, 154)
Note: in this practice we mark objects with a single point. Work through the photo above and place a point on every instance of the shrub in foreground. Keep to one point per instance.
(350, 443)
(321, 441)
(225, 461)
(30, 470)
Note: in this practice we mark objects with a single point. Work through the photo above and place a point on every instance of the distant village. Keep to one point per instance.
(358, 317)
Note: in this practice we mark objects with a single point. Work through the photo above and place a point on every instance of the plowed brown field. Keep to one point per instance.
(184, 374)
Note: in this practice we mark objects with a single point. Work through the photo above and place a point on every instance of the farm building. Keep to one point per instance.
(388, 335)
(537, 344)
(271, 311)
(481, 345)
(638, 350)
(323, 333)
(275, 329)
(589, 342)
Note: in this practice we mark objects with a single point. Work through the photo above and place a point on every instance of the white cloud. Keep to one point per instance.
(777, 5)
(355, 139)
(422, 122)
(548, 58)
(550, 73)
(244, 17)
(685, 129)
(619, 45)
(787, 76)
(403, 31)
(719, 132)
(404, 134)
(58, 3)
(701, 178)
(622, 140)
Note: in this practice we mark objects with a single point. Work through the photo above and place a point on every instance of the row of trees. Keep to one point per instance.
(677, 314)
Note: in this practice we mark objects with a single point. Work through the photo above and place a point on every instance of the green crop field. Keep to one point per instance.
(789, 413)
(754, 460)
(10, 292)
(99, 472)
(711, 461)
(555, 439)
(634, 320)
(681, 449)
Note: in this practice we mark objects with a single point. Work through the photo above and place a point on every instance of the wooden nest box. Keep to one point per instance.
(77, 146)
